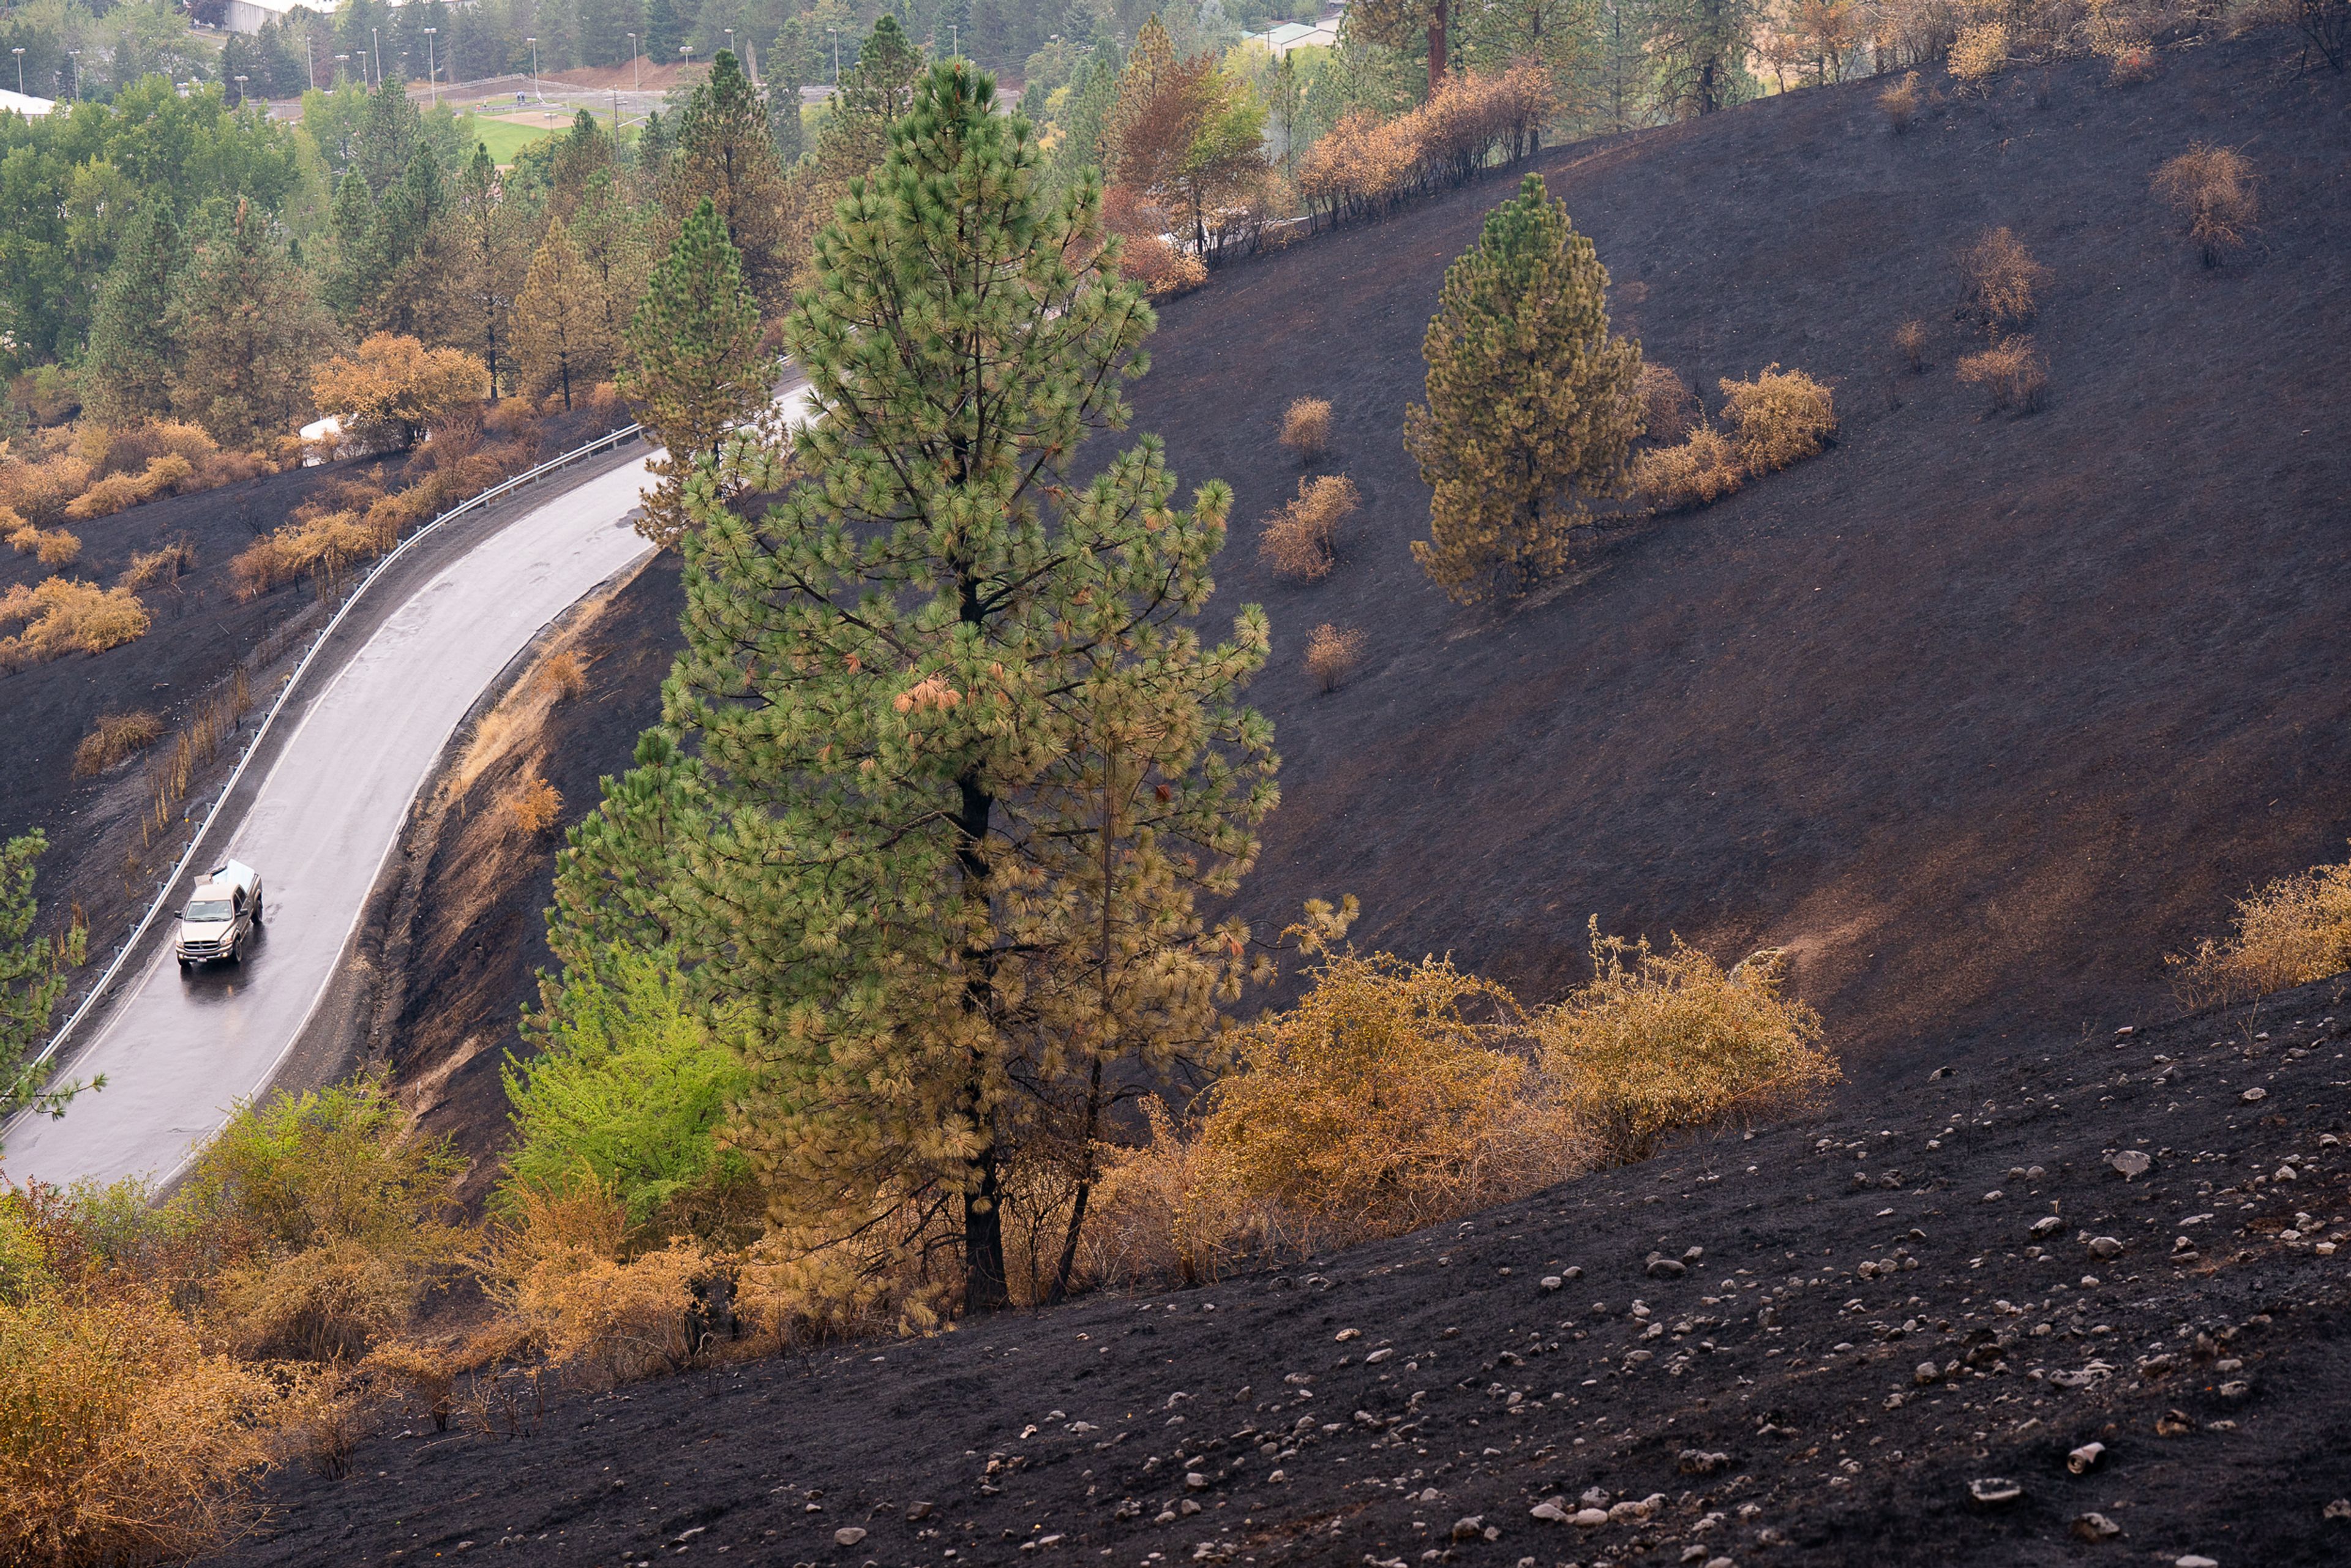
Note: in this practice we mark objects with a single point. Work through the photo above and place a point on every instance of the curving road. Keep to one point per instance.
(176, 1052)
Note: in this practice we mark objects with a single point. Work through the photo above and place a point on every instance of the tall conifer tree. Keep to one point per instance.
(945, 761)
(125, 372)
(1530, 401)
(247, 330)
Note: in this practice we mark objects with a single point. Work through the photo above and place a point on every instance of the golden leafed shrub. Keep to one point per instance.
(112, 494)
(122, 1439)
(326, 546)
(2211, 189)
(1384, 1101)
(1660, 1042)
(2135, 64)
(535, 803)
(2004, 281)
(604, 400)
(1306, 427)
(149, 568)
(324, 1303)
(39, 492)
(1332, 653)
(1910, 342)
(1900, 103)
(1699, 469)
(1302, 539)
(556, 1267)
(1782, 417)
(61, 616)
(393, 389)
(1172, 1209)
(2295, 930)
(53, 548)
(115, 737)
(1980, 52)
(1668, 407)
(2011, 370)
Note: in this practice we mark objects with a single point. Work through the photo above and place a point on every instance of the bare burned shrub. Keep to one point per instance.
(1900, 104)
(1306, 427)
(2211, 190)
(167, 565)
(1782, 417)
(1668, 407)
(1332, 654)
(2288, 933)
(1699, 469)
(2135, 64)
(2004, 281)
(1910, 342)
(2011, 370)
(115, 737)
(1302, 540)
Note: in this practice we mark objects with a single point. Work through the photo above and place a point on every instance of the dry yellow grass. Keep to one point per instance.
(1900, 103)
(557, 1270)
(1306, 427)
(61, 616)
(1333, 653)
(53, 548)
(1782, 417)
(149, 568)
(1302, 540)
(1701, 468)
(2291, 931)
(115, 737)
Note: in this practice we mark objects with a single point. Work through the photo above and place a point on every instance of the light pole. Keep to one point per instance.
(687, 50)
(76, 60)
(342, 68)
(634, 85)
(431, 82)
(534, 69)
(730, 43)
(955, 41)
(836, 58)
(20, 70)
(376, 34)
(240, 90)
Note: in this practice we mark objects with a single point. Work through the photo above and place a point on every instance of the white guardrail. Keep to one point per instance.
(286, 695)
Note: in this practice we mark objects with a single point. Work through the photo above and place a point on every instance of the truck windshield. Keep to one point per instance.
(206, 911)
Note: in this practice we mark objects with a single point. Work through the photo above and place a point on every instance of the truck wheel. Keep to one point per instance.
(256, 911)
(184, 966)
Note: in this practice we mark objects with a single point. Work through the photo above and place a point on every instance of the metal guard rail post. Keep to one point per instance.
(286, 695)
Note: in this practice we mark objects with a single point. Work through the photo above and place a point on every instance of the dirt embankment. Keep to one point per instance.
(458, 945)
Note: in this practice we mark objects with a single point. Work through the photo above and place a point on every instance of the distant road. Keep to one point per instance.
(177, 1052)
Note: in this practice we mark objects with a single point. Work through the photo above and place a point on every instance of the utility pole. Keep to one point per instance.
(432, 79)
(240, 90)
(376, 34)
(310, 56)
(836, 58)
(634, 85)
(534, 69)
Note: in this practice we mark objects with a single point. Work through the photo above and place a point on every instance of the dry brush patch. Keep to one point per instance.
(2003, 283)
(1333, 653)
(1910, 342)
(115, 737)
(1302, 540)
(1668, 408)
(1700, 468)
(61, 616)
(2211, 191)
(2011, 370)
(1306, 427)
(1782, 417)
(2287, 932)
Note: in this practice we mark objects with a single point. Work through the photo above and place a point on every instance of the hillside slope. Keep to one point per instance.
(1977, 716)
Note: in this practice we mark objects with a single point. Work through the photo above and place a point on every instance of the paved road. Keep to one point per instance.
(177, 1051)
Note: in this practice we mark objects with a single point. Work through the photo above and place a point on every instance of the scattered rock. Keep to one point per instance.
(1590, 1517)
(2339, 1509)
(1699, 1462)
(2193, 1561)
(2082, 1461)
(1665, 1268)
(1344, 1335)
(1992, 1492)
(918, 1510)
(1550, 1510)
(2047, 1224)
(849, 1535)
(2131, 1162)
(2104, 1247)
(1470, 1528)
(2095, 1527)
(1551, 1282)
(2251, 1097)
(1925, 1372)
(1195, 1482)
(2174, 1424)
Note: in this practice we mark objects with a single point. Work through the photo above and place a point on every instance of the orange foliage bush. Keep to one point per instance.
(1900, 103)
(556, 1269)
(1363, 165)
(1668, 407)
(1781, 417)
(61, 616)
(51, 547)
(1911, 342)
(1332, 653)
(393, 389)
(2004, 281)
(2011, 370)
(115, 737)
(1306, 427)
(2211, 189)
(2294, 930)
(535, 803)
(1699, 469)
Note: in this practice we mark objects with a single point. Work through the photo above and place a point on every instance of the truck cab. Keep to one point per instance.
(221, 915)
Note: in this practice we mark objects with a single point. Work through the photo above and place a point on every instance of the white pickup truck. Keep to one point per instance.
(221, 915)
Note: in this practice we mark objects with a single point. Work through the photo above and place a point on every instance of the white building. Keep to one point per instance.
(248, 15)
(31, 108)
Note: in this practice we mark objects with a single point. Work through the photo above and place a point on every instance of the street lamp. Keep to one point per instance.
(687, 50)
(240, 90)
(20, 70)
(376, 34)
(76, 68)
(633, 83)
(342, 68)
(730, 43)
(431, 81)
(534, 69)
(836, 58)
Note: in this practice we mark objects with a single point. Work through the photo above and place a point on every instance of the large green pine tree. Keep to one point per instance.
(1530, 406)
(695, 366)
(249, 333)
(726, 155)
(125, 371)
(945, 761)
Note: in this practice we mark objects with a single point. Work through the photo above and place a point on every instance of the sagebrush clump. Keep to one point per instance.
(2211, 190)
(61, 616)
(1900, 103)
(2004, 281)
(1333, 653)
(1668, 407)
(1910, 342)
(1302, 540)
(2011, 370)
(1782, 417)
(1306, 427)
(1702, 467)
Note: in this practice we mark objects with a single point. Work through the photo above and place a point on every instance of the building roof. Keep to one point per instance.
(21, 103)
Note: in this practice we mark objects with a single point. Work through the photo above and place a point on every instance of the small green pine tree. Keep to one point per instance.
(1531, 404)
(694, 368)
(32, 978)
